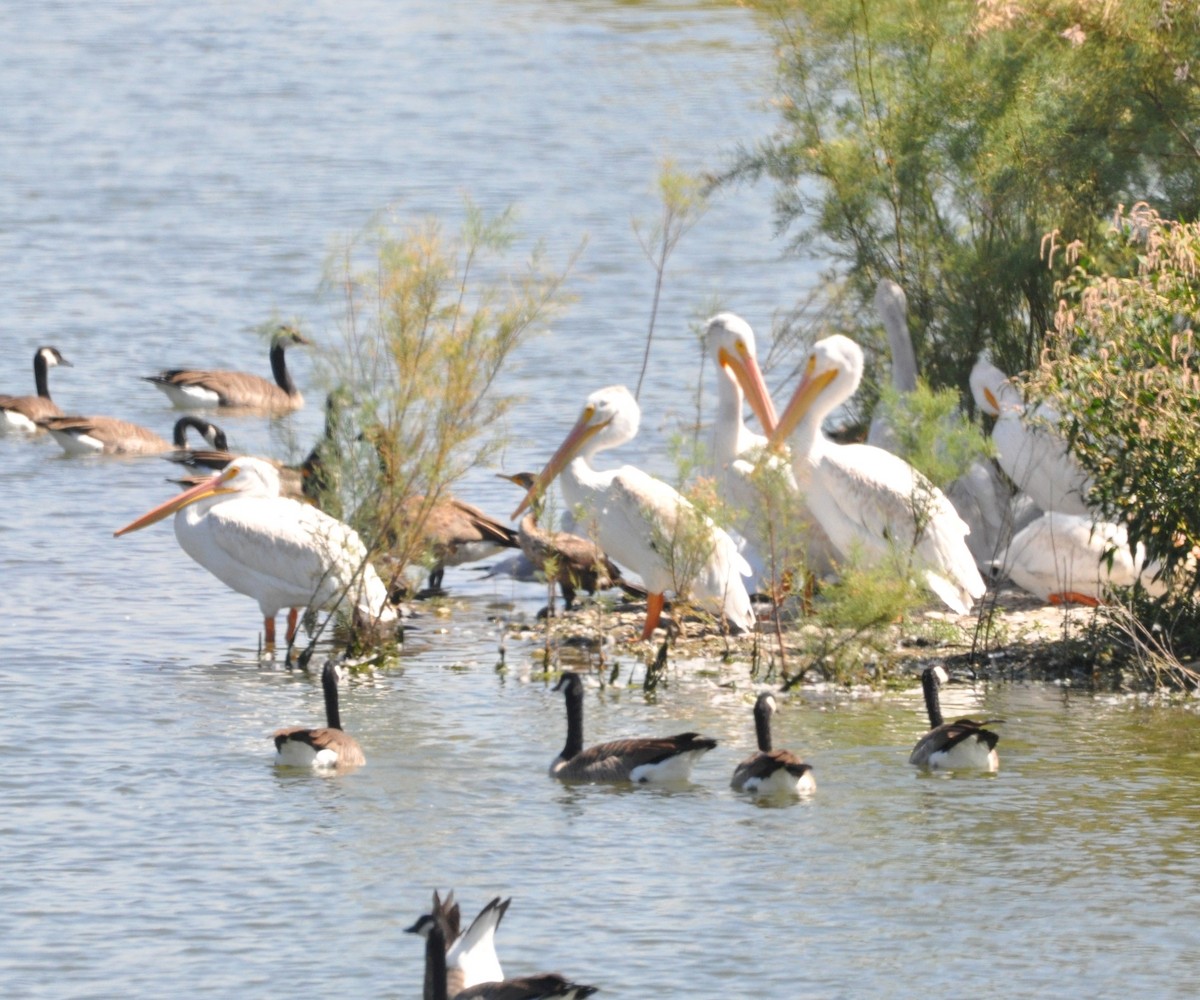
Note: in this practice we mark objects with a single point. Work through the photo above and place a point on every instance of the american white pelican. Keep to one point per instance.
(190, 388)
(281, 552)
(963, 743)
(892, 305)
(327, 748)
(543, 986)
(110, 436)
(21, 413)
(868, 499)
(640, 760)
(1028, 446)
(572, 562)
(643, 523)
(1063, 559)
(471, 956)
(770, 771)
(737, 451)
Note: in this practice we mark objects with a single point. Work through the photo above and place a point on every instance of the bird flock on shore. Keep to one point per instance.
(245, 521)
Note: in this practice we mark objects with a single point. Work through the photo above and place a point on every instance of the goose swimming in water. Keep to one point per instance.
(190, 388)
(470, 956)
(110, 436)
(327, 748)
(769, 770)
(963, 743)
(639, 760)
(22, 413)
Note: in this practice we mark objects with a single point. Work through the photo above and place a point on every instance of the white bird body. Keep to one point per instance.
(637, 519)
(1062, 558)
(281, 552)
(1028, 447)
(739, 454)
(868, 500)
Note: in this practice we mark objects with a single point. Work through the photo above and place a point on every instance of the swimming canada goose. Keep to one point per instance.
(963, 743)
(640, 760)
(471, 956)
(21, 413)
(327, 748)
(110, 436)
(191, 388)
(543, 986)
(578, 564)
(770, 771)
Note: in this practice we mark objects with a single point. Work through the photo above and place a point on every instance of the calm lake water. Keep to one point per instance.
(173, 175)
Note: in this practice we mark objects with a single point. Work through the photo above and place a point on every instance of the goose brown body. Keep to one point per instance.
(192, 387)
(769, 769)
(639, 760)
(111, 436)
(24, 412)
(963, 743)
(327, 747)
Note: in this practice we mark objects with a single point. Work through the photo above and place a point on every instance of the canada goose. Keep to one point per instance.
(771, 771)
(190, 388)
(544, 986)
(327, 748)
(456, 532)
(640, 760)
(471, 956)
(578, 564)
(110, 436)
(963, 743)
(21, 413)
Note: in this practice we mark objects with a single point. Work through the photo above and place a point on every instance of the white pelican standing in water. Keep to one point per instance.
(864, 497)
(281, 552)
(637, 517)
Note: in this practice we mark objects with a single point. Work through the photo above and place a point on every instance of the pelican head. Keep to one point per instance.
(993, 390)
(609, 418)
(832, 373)
(245, 475)
(730, 342)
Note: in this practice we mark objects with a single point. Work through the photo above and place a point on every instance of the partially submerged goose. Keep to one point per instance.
(963, 743)
(189, 388)
(770, 771)
(470, 956)
(110, 436)
(22, 413)
(639, 760)
(543, 986)
(327, 748)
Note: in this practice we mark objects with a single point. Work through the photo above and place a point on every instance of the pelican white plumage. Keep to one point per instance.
(892, 305)
(281, 552)
(1028, 446)
(189, 388)
(867, 499)
(638, 519)
(1064, 559)
(22, 413)
(737, 450)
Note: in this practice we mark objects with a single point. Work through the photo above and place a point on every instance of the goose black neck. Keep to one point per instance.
(201, 427)
(435, 962)
(329, 682)
(762, 725)
(283, 378)
(40, 375)
(933, 706)
(574, 697)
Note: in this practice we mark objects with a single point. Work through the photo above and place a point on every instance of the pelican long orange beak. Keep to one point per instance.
(745, 369)
(810, 387)
(580, 434)
(208, 488)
